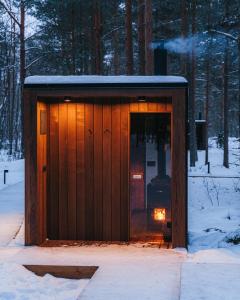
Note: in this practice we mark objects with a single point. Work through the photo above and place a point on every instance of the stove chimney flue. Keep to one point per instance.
(160, 57)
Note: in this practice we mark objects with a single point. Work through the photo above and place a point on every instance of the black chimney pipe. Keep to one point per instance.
(160, 57)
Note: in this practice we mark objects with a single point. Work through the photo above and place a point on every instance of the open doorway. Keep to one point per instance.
(150, 177)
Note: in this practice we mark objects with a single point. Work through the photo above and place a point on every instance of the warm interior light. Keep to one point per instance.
(159, 214)
(67, 99)
(141, 99)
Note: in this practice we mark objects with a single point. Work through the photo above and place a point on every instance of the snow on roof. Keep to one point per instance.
(105, 80)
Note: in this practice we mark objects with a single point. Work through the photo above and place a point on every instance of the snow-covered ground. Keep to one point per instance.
(209, 271)
(216, 160)
(11, 212)
(211, 274)
(15, 170)
(19, 283)
(11, 197)
(125, 272)
(210, 281)
(214, 206)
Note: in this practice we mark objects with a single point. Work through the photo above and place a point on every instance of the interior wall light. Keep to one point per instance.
(67, 99)
(141, 99)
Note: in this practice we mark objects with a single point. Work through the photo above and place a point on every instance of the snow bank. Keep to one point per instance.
(222, 255)
(216, 160)
(214, 212)
(213, 203)
(16, 282)
(11, 212)
(15, 171)
(210, 281)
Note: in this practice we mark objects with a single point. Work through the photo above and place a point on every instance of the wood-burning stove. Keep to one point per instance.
(159, 206)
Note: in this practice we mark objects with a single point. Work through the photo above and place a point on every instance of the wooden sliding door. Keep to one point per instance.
(88, 171)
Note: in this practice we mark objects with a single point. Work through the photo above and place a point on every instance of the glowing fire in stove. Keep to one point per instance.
(159, 214)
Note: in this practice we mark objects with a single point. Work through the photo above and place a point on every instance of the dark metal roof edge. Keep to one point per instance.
(110, 85)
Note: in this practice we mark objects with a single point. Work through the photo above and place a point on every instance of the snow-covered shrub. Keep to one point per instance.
(233, 237)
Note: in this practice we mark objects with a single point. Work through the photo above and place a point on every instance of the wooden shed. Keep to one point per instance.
(106, 158)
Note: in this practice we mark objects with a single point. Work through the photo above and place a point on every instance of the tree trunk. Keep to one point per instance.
(116, 58)
(22, 68)
(239, 88)
(184, 30)
(225, 95)
(129, 42)
(225, 106)
(192, 124)
(148, 38)
(208, 59)
(207, 106)
(73, 41)
(97, 38)
(141, 37)
(12, 119)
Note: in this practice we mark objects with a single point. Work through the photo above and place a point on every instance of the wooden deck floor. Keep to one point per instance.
(68, 243)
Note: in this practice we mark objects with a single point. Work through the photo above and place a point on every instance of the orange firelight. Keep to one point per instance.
(159, 214)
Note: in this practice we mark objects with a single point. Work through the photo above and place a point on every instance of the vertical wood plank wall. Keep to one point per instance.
(53, 176)
(179, 170)
(31, 185)
(86, 151)
(80, 136)
(41, 167)
(35, 142)
(88, 169)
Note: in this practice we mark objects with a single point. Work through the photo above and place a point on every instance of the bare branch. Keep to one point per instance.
(112, 31)
(30, 48)
(228, 35)
(32, 35)
(10, 13)
(34, 61)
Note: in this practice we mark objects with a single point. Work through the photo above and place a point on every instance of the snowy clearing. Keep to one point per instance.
(134, 271)
(211, 274)
(15, 170)
(11, 212)
(18, 283)
(213, 213)
(125, 272)
(213, 203)
(137, 272)
(216, 160)
(210, 281)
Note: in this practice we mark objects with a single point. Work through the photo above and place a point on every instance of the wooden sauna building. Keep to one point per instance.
(106, 159)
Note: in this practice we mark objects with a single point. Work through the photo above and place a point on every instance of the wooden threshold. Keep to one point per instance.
(69, 272)
(154, 244)
(77, 243)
